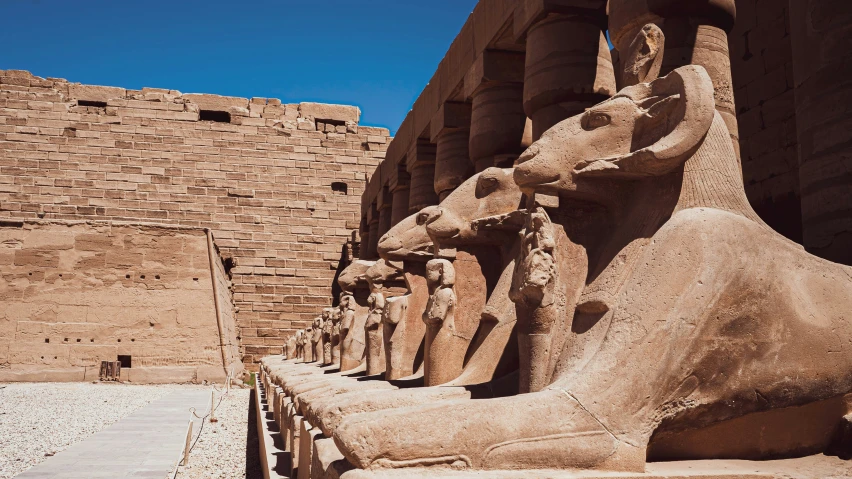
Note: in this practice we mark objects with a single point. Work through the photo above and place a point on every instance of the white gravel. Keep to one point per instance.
(39, 420)
(220, 451)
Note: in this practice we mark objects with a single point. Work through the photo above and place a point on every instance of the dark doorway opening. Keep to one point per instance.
(125, 360)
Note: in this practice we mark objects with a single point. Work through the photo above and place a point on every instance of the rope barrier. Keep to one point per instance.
(212, 410)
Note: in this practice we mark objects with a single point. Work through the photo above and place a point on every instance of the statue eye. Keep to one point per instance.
(596, 119)
(485, 186)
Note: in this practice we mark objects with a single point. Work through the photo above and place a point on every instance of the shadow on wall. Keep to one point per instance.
(341, 265)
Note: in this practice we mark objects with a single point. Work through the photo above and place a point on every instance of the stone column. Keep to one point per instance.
(400, 194)
(373, 223)
(420, 164)
(364, 232)
(450, 131)
(495, 86)
(821, 37)
(568, 66)
(695, 33)
(385, 212)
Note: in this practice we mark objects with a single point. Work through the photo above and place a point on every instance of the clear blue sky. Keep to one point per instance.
(377, 54)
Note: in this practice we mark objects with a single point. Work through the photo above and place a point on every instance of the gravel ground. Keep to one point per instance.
(220, 451)
(39, 420)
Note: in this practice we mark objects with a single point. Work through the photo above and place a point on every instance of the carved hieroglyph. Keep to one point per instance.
(692, 312)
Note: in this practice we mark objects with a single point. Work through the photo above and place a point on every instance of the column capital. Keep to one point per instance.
(450, 116)
(498, 66)
(530, 12)
(421, 153)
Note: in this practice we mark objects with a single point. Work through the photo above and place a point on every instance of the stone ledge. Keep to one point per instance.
(322, 111)
(206, 101)
(77, 91)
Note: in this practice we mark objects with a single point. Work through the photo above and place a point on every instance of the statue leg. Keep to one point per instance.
(549, 429)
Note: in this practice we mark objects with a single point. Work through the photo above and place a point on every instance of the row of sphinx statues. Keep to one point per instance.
(610, 298)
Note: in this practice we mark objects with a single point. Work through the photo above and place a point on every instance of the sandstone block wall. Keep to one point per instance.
(75, 294)
(278, 184)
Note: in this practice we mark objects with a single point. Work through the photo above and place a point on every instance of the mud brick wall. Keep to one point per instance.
(279, 185)
(761, 63)
(75, 294)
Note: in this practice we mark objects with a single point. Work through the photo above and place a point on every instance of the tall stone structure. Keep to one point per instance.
(278, 185)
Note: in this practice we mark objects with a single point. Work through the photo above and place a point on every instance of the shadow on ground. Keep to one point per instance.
(253, 467)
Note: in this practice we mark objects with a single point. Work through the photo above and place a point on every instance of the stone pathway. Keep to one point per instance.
(145, 444)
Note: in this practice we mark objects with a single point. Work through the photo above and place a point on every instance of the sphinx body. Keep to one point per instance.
(487, 198)
(476, 224)
(354, 284)
(384, 279)
(402, 327)
(691, 311)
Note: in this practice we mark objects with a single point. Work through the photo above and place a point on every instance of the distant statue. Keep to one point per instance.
(336, 316)
(327, 329)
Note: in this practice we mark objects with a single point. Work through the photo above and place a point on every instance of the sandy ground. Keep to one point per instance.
(38, 420)
(220, 449)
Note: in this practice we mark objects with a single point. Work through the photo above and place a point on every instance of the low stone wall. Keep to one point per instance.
(77, 293)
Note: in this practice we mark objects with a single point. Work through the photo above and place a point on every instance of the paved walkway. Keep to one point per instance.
(145, 444)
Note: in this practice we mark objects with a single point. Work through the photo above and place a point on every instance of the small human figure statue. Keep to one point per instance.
(316, 339)
(298, 353)
(336, 316)
(327, 328)
(307, 347)
(532, 293)
(393, 333)
(374, 335)
(351, 335)
(443, 358)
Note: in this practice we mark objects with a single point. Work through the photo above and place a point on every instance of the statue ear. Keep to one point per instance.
(676, 113)
(644, 57)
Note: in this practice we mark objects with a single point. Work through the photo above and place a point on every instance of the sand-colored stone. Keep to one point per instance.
(403, 327)
(354, 284)
(323, 111)
(647, 274)
(76, 294)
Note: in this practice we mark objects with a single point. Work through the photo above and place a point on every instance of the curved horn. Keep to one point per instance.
(686, 96)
